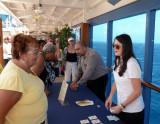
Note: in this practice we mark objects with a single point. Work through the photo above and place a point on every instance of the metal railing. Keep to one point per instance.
(151, 86)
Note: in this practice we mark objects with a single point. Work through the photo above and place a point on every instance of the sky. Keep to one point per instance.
(134, 26)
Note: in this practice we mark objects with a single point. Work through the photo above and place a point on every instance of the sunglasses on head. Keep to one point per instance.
(116, 46)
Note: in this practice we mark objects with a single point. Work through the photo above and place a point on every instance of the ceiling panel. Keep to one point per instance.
(46, 14)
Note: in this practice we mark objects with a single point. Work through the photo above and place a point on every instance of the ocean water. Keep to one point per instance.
(139, 53)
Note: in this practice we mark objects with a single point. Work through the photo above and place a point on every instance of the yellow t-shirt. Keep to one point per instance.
(1, 68)
(32, 106)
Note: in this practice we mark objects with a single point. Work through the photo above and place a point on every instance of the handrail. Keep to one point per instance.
(151, 86)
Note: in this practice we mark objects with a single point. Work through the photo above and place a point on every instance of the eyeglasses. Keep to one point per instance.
(116, 46)
(33, 52)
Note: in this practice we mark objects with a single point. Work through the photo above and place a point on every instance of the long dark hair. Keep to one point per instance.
(127, 52)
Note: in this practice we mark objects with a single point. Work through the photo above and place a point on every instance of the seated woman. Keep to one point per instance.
(22, 97)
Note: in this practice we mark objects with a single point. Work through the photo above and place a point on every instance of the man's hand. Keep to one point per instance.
(74, 86)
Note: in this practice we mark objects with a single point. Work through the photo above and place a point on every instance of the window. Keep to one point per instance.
(155, 105)
(77, 31)
(129, 26)
(100, 40)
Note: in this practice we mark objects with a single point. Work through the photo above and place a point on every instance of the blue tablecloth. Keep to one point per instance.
(72, 113)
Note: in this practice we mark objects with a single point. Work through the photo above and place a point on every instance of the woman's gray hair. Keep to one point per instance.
(49, 47)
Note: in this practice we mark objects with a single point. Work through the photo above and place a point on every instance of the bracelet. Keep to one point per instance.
(122, 106)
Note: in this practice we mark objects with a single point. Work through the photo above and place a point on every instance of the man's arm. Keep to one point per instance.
(91, 64)
(83, 77)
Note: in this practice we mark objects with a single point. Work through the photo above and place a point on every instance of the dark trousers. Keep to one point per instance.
(132, 118)
(98, 86)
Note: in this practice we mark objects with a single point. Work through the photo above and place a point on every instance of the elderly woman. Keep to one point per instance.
(22, 97)
(43, 67)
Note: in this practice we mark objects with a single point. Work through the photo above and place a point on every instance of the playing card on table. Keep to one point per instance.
(86, 121)
(112, 118)
(92, 117)
(96, 121)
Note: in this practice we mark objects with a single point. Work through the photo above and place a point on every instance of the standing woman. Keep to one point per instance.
(127, 76)
(22, 97)
(43, 66)
(71, 68)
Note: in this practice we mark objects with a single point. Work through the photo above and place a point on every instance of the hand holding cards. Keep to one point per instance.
(112, 111)
(115, 109)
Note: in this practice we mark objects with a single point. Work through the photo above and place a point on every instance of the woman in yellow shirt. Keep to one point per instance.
(22, 97)
(1, 68)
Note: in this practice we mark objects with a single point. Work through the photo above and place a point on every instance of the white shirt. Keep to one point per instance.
(7, 50)
(125, 88)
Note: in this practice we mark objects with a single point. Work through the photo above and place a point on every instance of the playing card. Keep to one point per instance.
(115, 118)
(112, 118)
(93, 117)
(96, 121)
(86, 121)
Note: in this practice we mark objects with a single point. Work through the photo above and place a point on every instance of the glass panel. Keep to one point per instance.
(129, 26)
(99, 40)
(76, 31)
(155, 97)
(9, 23)
(5, 20)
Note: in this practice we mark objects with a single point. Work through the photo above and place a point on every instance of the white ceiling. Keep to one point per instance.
(45, 15)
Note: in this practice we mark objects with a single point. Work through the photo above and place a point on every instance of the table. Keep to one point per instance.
(72, 113)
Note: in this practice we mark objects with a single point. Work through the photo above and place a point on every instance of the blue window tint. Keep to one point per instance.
(5, 20)
(155, 97)
(135, 27)
(100, 40)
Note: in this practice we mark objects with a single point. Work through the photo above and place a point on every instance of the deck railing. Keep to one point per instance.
(151, 86)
